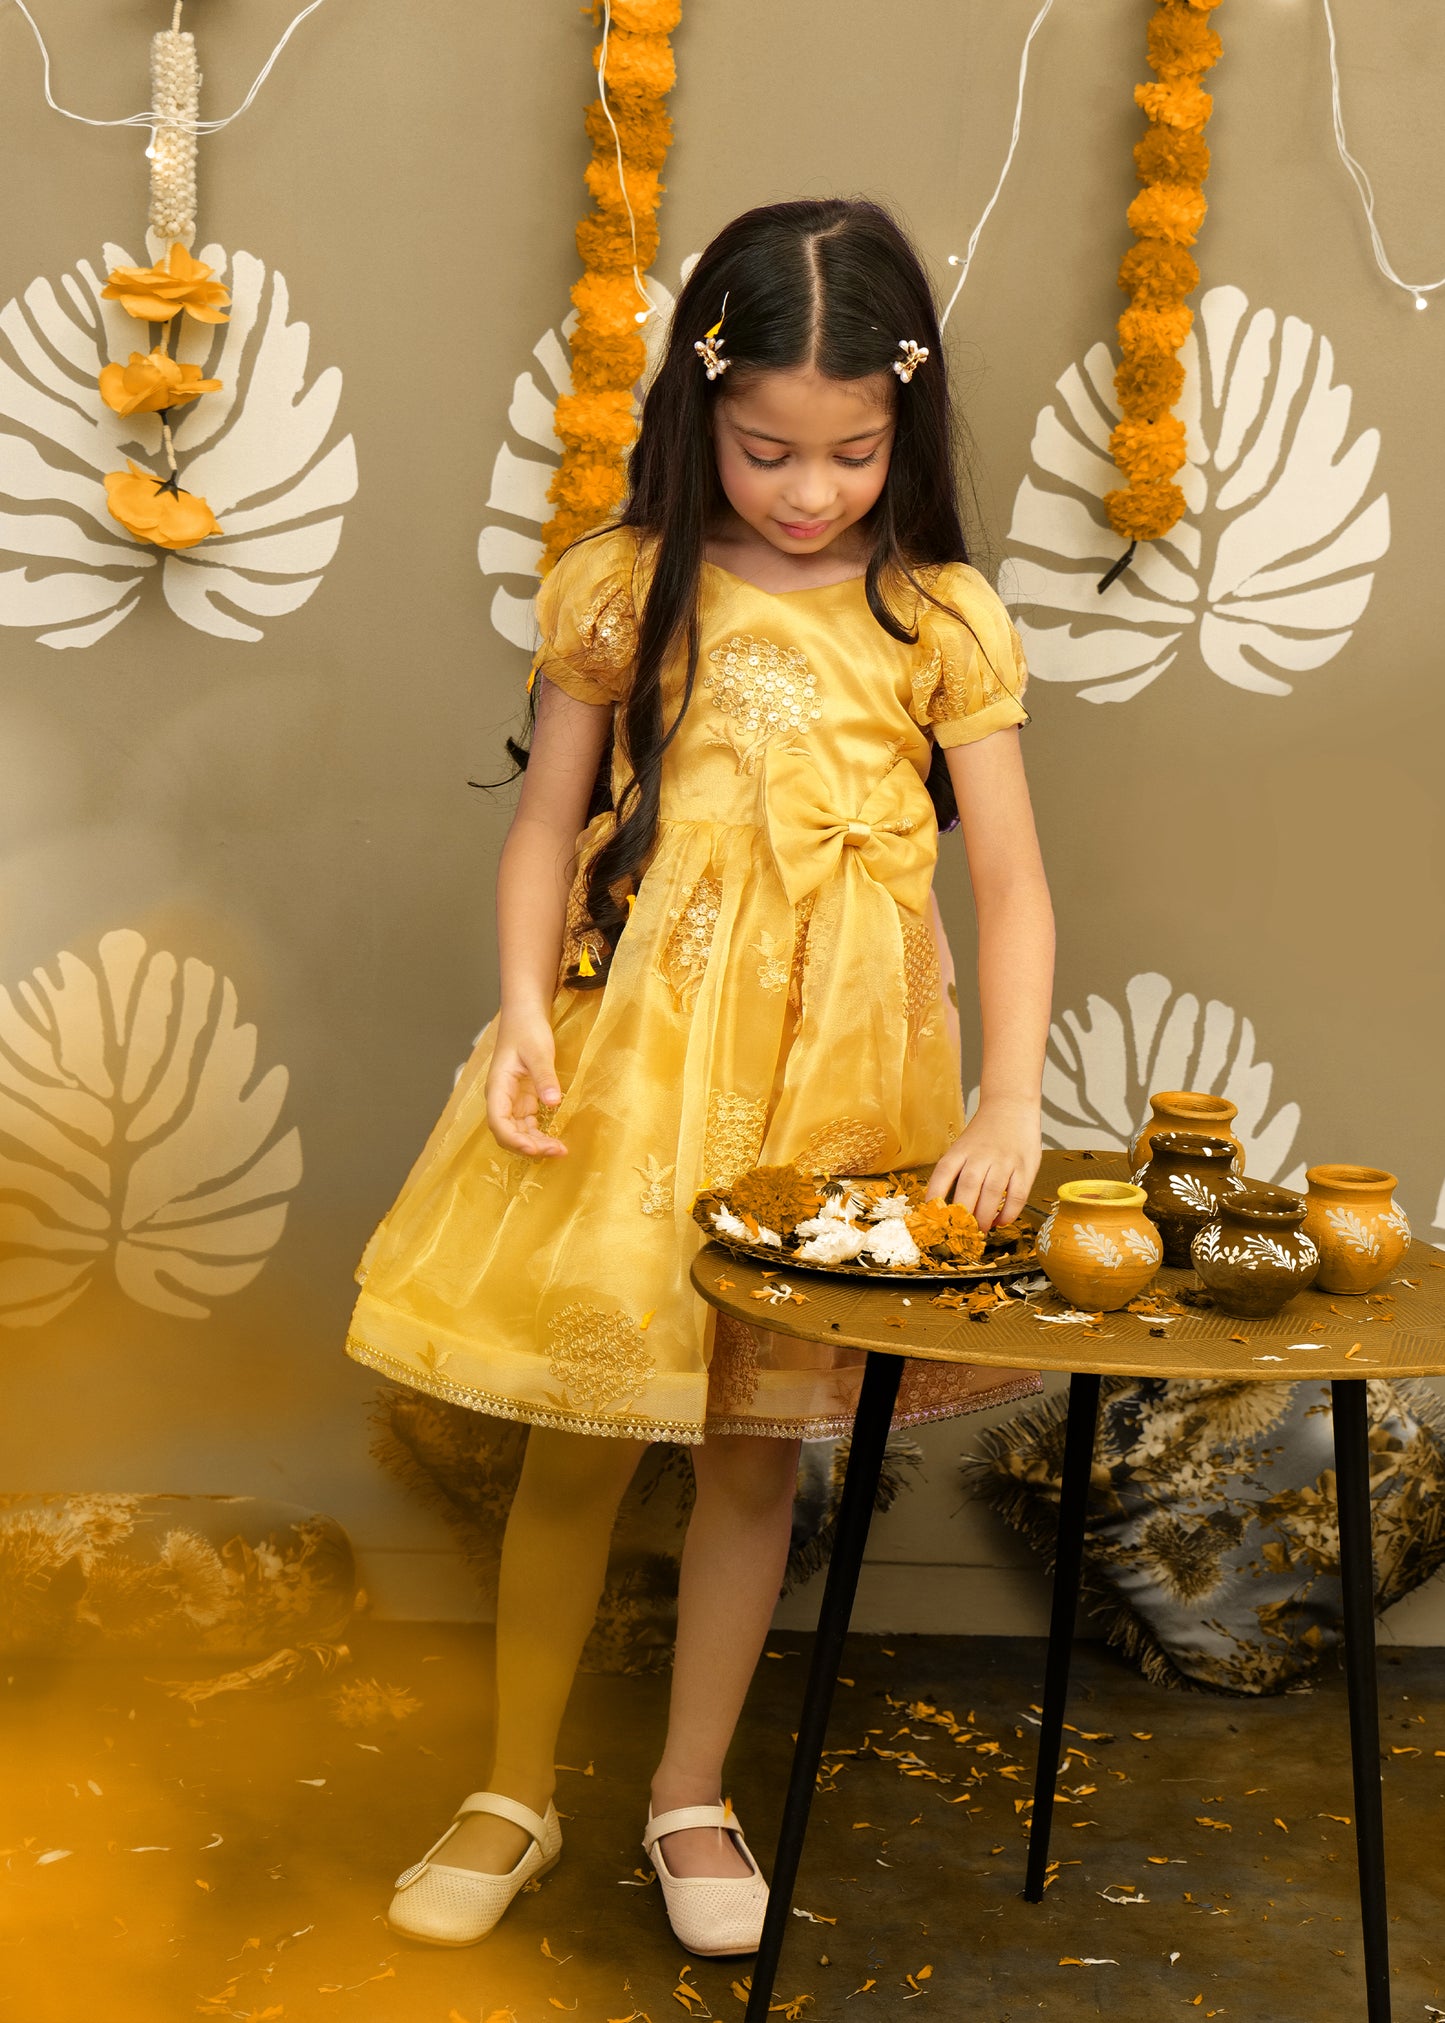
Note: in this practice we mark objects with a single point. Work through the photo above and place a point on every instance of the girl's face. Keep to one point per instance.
(803, 458)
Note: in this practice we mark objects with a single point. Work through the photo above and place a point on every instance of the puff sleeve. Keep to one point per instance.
(586, 622)
(969, 677)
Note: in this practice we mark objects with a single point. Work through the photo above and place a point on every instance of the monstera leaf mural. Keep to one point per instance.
(256, 451)
(1098, 1073)
(129, 1136)
(1270, 567)
(520, 480)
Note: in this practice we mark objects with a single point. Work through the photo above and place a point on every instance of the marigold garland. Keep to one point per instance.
(1172, 161)
(595, 422)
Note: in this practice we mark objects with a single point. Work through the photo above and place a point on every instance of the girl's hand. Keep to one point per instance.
(523, 1075)
(990, 1168)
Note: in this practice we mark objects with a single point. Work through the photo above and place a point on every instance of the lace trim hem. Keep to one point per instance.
(841, 1424)
(499, 1407)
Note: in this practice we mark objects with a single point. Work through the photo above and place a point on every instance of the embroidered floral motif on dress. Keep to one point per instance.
(685, 952)
(608, 631)
(600, 1359)
(656, 1196)
(922, 978)
(848, 1146)
(733, 1373)
(774, 965)
(733, 1137)
(944, 687)
(764, 691)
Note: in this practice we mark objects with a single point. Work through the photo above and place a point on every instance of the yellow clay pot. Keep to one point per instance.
(1097, 1245)
(1360, 1232)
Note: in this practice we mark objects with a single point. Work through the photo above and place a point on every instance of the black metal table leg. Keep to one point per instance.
(1068, 1564)
(1357, 1572)
(871, 1425)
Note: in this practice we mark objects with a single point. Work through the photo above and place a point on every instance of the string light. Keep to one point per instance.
(147, 118)
(641, 315)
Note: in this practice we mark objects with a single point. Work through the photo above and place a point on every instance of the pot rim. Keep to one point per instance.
(1102, 1193)
(1196, 1099)
(1265, 1204)
(1352, 1179)
(1193, 1145)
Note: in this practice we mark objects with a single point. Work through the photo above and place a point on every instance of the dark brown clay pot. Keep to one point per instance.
(1186, 1175)
(1186, 1110)
(1255, 1255)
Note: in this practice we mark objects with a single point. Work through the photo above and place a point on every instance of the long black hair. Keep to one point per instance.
(833, 284)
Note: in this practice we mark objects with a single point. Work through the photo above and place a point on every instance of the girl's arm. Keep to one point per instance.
(992, 1166)
(534, 877)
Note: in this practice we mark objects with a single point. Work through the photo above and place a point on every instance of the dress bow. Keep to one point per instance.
(891, 837)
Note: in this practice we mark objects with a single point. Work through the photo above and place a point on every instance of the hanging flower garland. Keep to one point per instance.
(595, 422)
(1172, 161)
(152, 508)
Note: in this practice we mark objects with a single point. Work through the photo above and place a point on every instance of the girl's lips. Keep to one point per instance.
(804, 530)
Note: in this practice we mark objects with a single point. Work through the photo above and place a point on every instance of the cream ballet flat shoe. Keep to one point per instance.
(451, 1906)
(709, 1913)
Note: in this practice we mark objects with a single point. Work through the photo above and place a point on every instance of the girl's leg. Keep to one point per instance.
(554, 1562)
(732, 1569)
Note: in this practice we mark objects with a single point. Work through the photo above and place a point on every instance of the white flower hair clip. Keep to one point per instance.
(709, 348)
(913, 357)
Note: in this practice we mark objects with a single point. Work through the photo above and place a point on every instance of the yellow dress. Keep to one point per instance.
(776, 995)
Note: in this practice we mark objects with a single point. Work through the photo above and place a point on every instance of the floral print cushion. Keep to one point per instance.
(1212, 1549)
(170, 1575)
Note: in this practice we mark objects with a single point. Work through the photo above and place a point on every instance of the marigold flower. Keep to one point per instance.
(595, 421)
(644, 130)
(1156, 273)
(947, 1229)
(1144, 512)
(607, 303)
(1181, 42)
(644, 187)
(148, 508)
(152, 382)
(156, 294)
(1168, 211)
(1178, 103)
(1168, 154)
(601, 364)
(1144, 450)
(606, 245)
(1145, 332)
(650, 17)
(637, 66)
(1148, 385)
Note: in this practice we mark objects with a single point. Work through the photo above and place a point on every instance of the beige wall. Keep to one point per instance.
(291, 813)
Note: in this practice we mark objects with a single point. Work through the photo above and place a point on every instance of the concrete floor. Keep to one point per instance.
(272, 1832)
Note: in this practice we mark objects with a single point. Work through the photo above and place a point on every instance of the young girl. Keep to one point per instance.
(758, 695)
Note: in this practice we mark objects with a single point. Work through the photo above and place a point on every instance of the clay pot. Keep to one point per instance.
(1255, 1255)
(1360, 1232)
(1186, 1175)
(1186, 1110)
(1097, 1245)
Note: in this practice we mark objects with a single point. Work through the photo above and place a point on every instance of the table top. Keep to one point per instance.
(1316, 1334)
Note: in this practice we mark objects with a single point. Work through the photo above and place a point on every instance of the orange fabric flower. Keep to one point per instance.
(156, 294)
(152, 382)
(148, 508)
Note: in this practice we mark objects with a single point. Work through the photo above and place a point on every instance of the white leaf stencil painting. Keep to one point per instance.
(1268, 570)
(520, 478)
(133, 1139)
(1098, 1073)
(260, 452)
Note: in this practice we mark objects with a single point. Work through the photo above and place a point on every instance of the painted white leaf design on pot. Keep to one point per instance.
(1099, 1071)
(520, 478)
(1268, 570)
(259, 452)
(131, 1135)
(1352, 1232)
(1192, 1192)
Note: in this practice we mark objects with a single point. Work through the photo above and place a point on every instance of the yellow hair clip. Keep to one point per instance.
(709, 348)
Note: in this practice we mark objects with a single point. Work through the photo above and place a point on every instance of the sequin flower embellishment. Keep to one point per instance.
(764, 691)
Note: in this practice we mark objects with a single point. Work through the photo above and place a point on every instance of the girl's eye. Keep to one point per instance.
(763, 463)
(861, 463)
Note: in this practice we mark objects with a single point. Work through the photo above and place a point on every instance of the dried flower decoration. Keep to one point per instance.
(947, 1229)
(779, 1196)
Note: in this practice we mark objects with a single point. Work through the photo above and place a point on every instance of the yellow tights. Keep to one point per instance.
(554, 1563)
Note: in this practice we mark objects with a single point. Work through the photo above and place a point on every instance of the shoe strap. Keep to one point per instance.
(689, 1815)
(505, 1808)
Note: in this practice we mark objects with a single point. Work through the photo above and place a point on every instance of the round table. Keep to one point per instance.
(1350, 1347)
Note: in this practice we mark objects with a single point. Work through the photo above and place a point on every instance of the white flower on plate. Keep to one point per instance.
(891, 1207)
(832, 1242)
(728, 1224)
(890, 1244)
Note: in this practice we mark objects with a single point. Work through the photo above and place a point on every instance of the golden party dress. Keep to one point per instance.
(778, 994)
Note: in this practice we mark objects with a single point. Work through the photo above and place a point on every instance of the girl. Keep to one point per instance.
(758, 696)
